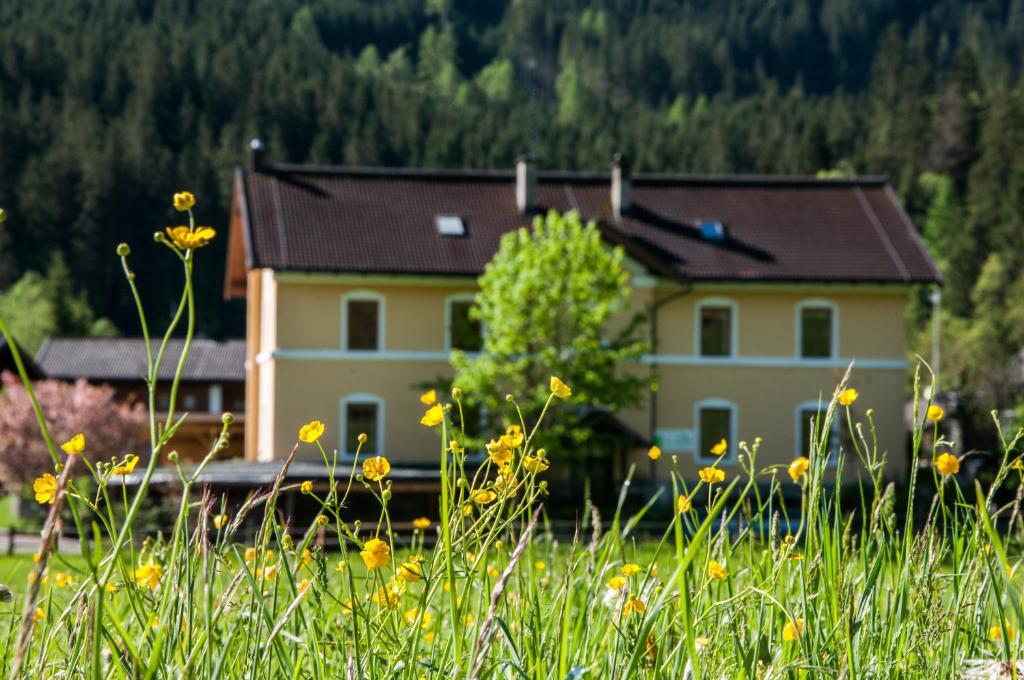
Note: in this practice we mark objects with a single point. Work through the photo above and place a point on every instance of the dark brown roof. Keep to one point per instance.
(125, 359)
(371, 220)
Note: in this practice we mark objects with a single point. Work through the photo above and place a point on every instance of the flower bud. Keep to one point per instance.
(456, 393)
(3, 215)
(386, 495)
(173, 456)
(123, 250)
(321, 520)
(362, 437)
(158, 236)
(227, 418)
(509, 398)
(286, 542)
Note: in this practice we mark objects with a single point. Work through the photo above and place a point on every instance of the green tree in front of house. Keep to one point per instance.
(554, 302)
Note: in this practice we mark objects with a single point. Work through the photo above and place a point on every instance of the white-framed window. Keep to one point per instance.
(362, 321)
(716, 327)
(460, 331)
(713, 421)
(817, 330)
(362, 414)
(810, 418)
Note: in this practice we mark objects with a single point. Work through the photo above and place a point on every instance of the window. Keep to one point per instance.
(716, 336)
(815, 336)
(810, 417)
(715, 422)
(189, 402)
(361, 414)
(362, 327)
(464, 332)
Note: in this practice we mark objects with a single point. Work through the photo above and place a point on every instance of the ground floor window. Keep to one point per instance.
(715, 422)
(361, 415)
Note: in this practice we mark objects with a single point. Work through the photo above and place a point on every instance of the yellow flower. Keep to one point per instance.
(311, 431)
(454, 448)
(654, 453)
(947, 464)
(250, 554)
(304, 583)
(721, 448)
(634, 606)
(684, 504)
(484, 497)
(710, 475)
(306, 487)
(935, 413)
(513, 437)
(421, 523)
(375, 553)
(219, 521)
(39, 615)
(433, 417)
(540, 566)
(492, 571)
(45, 488)
(617, 582)
(848, 396)
(183, 200)
(148, 575)
(716, 570)
(559, 388)
(630, 569)
(798, 468)
(499, 451)
(791, 631)
(1017, 465)
(307, 556)
(63, 580)
(128, 465)
(321, 520)
(110, 587)
(389, 595)
(186, 239)
(268, 574)
(536, 464)
(75, 445)
(410, 571)
(376, 468)
(428, 397)
(995, 633)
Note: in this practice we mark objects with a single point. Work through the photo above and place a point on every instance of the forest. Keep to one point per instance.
(108, 108)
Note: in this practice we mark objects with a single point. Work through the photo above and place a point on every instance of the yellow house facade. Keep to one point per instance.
(761, 292)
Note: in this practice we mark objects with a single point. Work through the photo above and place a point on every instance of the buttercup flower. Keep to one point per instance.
(995, 633)
(617, 582)
(721, 448)
(630, 569)
(499, 451)
(433, 417)
(45, 488)
(634, 606)
(654, 453)
(947, 464)
(186, 239)
(716, 570)
(559, 388)
(39, 615)
(421, 523)
(935, 413)
(684, 504)
(376, 468)
(74, 446)
(428, 397)
(306, 487)
(791, 631)
(710, 475)
(148, 575)
(321, 520)
(219, 521)
(410, 571)
(311, 431)
(484, 497)
(128, 465)
(536, 464)
(183, 200)
(798, 468)
(848, 396)
(64, 580)
(375, 553)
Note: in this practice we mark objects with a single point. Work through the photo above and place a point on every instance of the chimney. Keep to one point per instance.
(620, 184)
(526, 183)
(256, 154)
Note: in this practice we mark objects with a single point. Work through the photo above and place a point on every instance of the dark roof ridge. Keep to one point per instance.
(582, 176)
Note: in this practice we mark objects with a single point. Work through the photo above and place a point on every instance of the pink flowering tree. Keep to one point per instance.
(111, 428)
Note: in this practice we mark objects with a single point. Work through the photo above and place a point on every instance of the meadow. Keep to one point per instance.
(724, 592)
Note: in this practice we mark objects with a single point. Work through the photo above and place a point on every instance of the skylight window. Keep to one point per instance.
(450, 225)
(712, 230)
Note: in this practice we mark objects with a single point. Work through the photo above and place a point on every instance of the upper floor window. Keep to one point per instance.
(362, 322)
(716, 335)
(716, 422)
(464, 332)
(816, 335)
(361, 414)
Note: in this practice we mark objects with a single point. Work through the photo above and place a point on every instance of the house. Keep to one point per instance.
(212, 382)
(762, 290)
